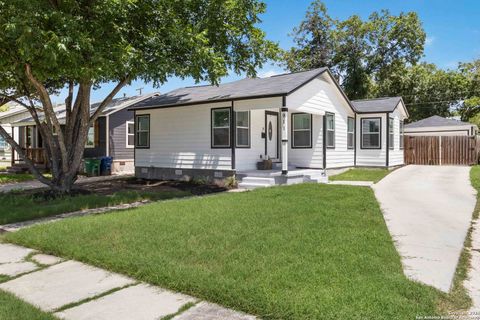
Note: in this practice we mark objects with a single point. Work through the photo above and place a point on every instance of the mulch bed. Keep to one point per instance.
(133, 184)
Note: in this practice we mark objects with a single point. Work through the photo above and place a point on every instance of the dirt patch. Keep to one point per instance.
(110, 187)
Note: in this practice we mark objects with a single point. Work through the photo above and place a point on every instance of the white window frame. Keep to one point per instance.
(379, 133)
(391, 133)
(88, 146)
(294, 145)
(212, 125)
(352, 132)
(128, 123)
(330, 146)
(237, 145)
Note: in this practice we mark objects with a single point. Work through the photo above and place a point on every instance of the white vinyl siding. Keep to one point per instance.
(322, 94)
(371, 157)
(396, 154)
(180, 138)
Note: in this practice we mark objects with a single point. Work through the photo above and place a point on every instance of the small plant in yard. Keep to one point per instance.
(231, 182)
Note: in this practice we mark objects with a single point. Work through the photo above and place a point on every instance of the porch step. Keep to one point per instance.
(256, 182)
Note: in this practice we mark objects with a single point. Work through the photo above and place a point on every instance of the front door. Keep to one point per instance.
(271, 134)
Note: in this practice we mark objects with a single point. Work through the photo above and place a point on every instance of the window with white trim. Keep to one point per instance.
(221, 128)
(130, 134)
(330, 130)
(301, 130)
(350, 133)
(371, 138)
(391, 135)
(142, 131)
(401, 134)
(242, 120)
(90, 138)
(3, 145)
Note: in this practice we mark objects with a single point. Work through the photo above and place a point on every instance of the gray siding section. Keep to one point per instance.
(101, 147)
(118, 135)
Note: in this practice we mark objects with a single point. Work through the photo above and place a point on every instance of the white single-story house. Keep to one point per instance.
(300, 121)
(439, 126)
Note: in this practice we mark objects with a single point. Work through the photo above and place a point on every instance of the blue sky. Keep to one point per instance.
(452, 27)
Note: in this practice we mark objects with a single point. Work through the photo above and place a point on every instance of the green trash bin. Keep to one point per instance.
(92, 167)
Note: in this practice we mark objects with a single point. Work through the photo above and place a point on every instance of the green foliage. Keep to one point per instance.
(290, 252)
(150, 40)
(359, 52)
(12, 178)
(425, 89)
(357, 174)
(16, 207)
(12, 308)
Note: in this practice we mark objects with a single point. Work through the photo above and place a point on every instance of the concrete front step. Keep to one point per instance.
(256, 182)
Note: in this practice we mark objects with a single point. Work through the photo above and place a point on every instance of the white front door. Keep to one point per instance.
(271, 134)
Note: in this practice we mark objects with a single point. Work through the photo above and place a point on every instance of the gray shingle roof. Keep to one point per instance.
(436, 121)
(387, 104)
(117, 104)
(245, 88)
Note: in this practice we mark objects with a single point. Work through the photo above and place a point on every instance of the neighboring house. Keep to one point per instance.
(14, 113)
(439, 126)
(299, 120)
(112, 134)
(384, 115)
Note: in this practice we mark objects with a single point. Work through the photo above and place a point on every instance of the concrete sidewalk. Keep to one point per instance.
(428, 211)
(75, 291)
(34, 184)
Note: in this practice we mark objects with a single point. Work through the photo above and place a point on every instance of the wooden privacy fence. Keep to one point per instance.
(441, 150)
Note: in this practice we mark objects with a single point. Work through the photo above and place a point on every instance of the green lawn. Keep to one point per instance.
(13, 178)
(17, 208)
(12, 308)
(358, 174)
(307, 251)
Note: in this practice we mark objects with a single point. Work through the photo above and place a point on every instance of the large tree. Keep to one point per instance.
(47, 45)
(360, 52)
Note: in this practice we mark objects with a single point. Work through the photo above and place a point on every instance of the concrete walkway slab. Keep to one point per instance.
(210, 311)
(62, 284)
(46, 259)
(428, 210)
(140, 302)
(11, 253)
(16, 268)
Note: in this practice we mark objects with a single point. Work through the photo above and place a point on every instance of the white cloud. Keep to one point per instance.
(268, 73)
(429, 41)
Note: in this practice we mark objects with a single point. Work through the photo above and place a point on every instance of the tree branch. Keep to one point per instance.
(108, 99)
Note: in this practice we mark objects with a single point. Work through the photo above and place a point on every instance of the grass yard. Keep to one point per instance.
(12, 308)
(14, 178)
(358, 174)
(17, 207)
(293, 252)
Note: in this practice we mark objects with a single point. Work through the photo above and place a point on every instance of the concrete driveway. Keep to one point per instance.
(428, 211)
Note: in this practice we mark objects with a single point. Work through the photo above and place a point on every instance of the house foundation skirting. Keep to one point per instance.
(154, 173)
